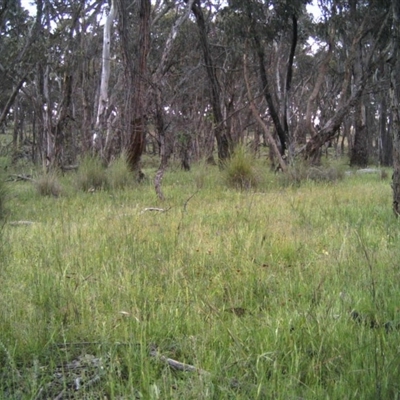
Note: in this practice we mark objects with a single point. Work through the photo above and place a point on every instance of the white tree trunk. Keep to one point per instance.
(105, 77)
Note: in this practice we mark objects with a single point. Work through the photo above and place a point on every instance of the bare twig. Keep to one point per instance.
(188, 199)
(178, 230)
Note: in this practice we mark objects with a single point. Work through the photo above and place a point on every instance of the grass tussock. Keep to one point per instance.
(118, 174)
(91, 174)
(302, 172)
(48, 184)
(325, 174)
(286, 293)
(240, 170)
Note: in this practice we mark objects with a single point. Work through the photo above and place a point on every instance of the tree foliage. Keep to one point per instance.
(177, 79)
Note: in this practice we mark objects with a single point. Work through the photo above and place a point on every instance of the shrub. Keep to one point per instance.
(119, 175)
(91, 174)
(48, 185)
(240, 171)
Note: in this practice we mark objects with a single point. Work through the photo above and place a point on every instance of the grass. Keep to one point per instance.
(255, 287)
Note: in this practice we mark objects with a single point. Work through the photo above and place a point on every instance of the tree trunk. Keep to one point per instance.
(158, 85)
(138, 121)
(256, 114)
(185, 147)
(267, 93)
(11, 100)
(359, 152)
(322, 69)
(385, 139)
(395, 102)
(222, 136)
(16, 128)
(288, 84)
(101, 121)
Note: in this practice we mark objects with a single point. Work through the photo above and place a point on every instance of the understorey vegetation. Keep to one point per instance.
(282, 289)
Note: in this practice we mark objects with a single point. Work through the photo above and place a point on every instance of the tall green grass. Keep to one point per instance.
(258, 288)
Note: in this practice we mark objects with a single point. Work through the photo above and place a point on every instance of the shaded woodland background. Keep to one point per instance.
(194, 78)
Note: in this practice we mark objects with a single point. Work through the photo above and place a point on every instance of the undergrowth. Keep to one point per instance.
(285, 292)
(240, 169)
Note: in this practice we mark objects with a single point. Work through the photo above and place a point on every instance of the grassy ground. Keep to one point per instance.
(282, 292)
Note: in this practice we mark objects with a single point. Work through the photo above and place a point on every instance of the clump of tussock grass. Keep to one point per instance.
(384, 175)
(301, 172)
(325, 174)
(119, 175)
(201, 173)
(91, 174)
(240, 171)
(48, 184)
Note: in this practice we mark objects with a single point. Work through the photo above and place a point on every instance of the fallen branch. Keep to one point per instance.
(65, 168)
(18, 223)
(155, 209)
(176, 365)
(16, 178)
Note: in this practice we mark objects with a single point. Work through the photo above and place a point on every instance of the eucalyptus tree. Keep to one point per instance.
(270, 35)
(395, 103)
(52, 92)
(358, 66)
(19, 34)
(159, 83)
(135, 60)
(371, 15)
(221, 134)
(104, 106)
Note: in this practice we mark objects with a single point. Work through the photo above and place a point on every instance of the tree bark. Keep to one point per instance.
(138, 122)
(395, 104)
(103, 104)
(359, 152)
